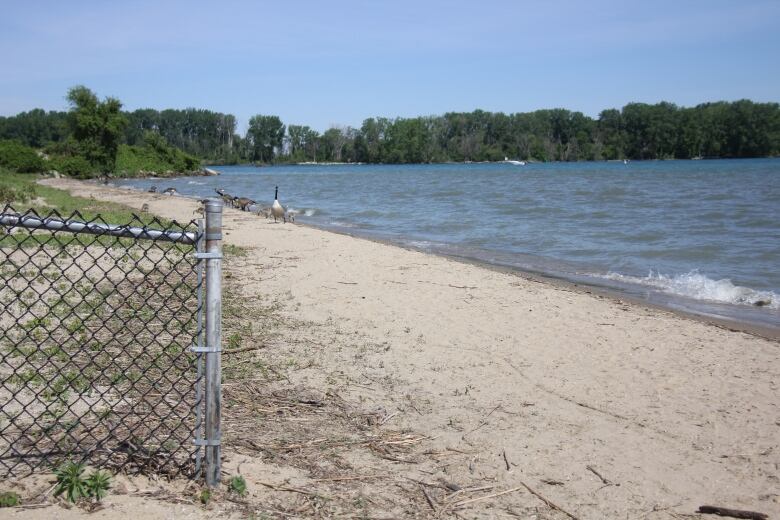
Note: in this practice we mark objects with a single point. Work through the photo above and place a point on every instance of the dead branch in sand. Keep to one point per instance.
(733, 513)
(548, 502)
(292, 490)
(506, 460)
(603, 480)
(485, 497)
(428, 498)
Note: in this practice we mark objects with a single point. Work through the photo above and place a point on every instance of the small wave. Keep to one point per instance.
(418, 244)
(697, 286)
(309, 212)
(339, 223)
(196, 183)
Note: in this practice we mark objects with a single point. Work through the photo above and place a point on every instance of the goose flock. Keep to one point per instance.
(276, 210)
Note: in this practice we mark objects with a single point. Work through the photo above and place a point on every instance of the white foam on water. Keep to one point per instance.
(419, 244)
(196, 183)
(339, 223)
(699, 287)
(310, 212)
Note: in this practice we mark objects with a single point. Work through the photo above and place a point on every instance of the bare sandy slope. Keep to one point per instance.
(610, 409)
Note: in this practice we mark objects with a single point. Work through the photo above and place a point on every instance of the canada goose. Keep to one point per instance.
(227, 199)
(145, 208)
(242, 202)
(200, 210)
(264, 212)
(277, 210)
(153, 189)
(170, 191)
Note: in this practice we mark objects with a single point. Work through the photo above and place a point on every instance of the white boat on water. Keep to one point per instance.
(516, 163)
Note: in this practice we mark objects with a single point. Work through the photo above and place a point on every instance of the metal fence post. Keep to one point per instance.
(213, 211)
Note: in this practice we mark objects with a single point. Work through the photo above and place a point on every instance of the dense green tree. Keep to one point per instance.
(265, 134)
(35, 128)
(97, 126)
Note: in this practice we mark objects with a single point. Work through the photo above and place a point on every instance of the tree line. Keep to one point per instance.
(93, 138)
(637, 131)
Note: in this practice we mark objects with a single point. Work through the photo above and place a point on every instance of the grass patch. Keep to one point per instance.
(64, 202)
(9, 499)
(236, 251)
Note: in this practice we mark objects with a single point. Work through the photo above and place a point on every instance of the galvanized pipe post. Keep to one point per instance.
(213, 383)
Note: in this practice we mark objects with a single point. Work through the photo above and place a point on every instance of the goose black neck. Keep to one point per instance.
(276, 193)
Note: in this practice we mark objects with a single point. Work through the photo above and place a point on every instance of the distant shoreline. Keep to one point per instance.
(527, 161)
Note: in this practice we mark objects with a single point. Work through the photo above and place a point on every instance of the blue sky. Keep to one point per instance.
(339, 62)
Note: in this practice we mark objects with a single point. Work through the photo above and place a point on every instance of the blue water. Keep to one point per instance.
(703, 236)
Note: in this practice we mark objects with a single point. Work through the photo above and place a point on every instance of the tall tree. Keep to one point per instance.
(97, 126)
(266, 134)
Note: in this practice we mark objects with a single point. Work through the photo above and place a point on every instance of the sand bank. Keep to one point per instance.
(611, 408)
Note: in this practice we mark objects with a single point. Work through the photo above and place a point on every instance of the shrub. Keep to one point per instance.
(74, 166)
(19, 157)
(156, 155)
(12, 190)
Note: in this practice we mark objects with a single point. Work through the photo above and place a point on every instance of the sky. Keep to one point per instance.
(336, 63)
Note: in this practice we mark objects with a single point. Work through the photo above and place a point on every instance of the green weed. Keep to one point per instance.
(237, 485)
(9, 499)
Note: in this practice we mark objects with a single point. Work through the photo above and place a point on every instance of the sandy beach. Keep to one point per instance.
(606, 408)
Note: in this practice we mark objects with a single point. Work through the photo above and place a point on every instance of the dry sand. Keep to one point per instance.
(607, 408)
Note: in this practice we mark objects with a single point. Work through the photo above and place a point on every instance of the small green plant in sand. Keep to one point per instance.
(72, 483)
(97, 485)
(9, 499)
(237, 485)
(205, 496)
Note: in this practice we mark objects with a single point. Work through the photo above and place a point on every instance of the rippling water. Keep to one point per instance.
(699, 235)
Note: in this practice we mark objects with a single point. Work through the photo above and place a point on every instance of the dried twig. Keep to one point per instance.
(548, 502)
(428, 498)
(485, 497)
(593, 470)
(243, 349)
(291, 489)
(354, 477)
(506, 460)
(733, 513)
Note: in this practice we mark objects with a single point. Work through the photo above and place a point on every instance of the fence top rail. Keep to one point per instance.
(32, 220)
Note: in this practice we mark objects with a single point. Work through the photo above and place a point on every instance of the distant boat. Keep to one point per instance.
(625, 161)
(516, 163)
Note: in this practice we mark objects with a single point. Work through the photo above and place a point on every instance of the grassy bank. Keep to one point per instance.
(22, 192)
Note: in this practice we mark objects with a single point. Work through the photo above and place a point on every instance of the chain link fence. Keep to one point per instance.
(103, 354)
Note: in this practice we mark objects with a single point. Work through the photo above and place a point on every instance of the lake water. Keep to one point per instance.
(703, 236)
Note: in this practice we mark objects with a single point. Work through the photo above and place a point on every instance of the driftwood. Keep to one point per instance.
(733, 513)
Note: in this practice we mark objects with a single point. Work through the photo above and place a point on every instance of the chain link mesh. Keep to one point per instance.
(95, 360)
